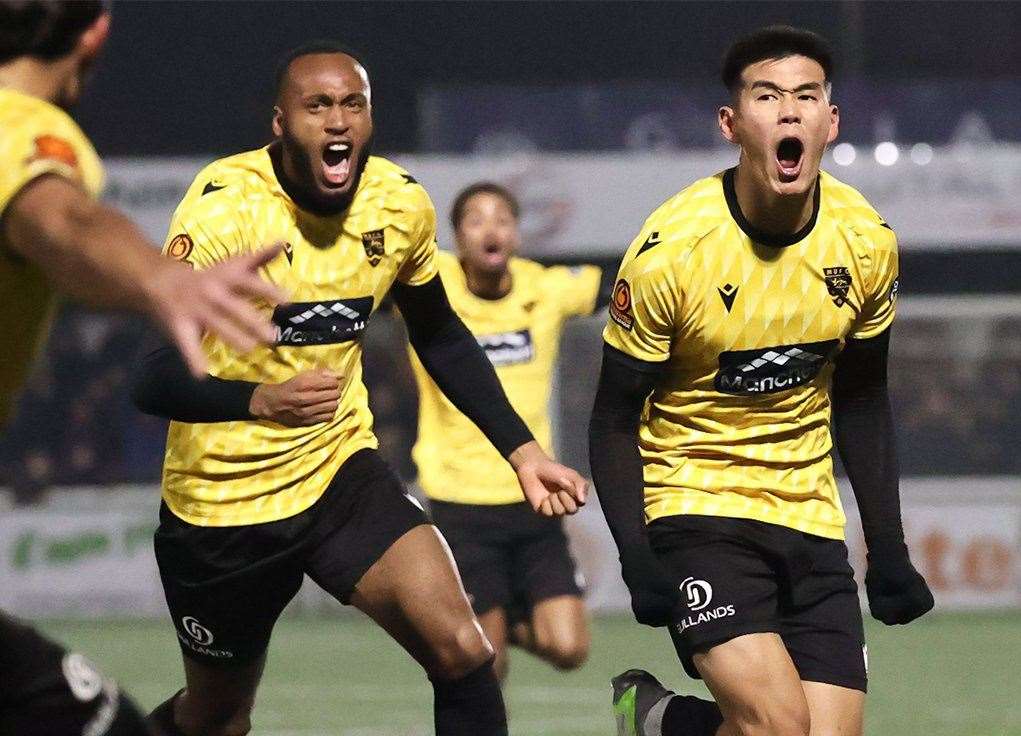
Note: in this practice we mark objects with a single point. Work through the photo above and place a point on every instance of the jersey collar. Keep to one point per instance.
(761, 236)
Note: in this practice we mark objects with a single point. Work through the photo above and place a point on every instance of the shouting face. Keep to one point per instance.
(782, 119)
(487, 234)
(323, 119)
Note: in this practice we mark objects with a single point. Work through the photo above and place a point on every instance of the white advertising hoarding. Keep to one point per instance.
(71, 558)
(595, 203)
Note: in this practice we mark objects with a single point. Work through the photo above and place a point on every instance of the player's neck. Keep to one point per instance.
(769, 212)
(487, 285)
(43, 80)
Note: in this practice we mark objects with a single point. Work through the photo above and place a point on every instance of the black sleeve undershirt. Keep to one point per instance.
(454, 360)
(864, 435)
(607, 280)
(164, 387)
(624, 385)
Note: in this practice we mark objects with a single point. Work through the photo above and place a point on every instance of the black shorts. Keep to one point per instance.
(226, 586)
(508, 555)
(47, 691)
(741, 577)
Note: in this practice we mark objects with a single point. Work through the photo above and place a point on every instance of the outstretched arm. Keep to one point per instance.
(454, 360)
(865, 439)
(94, 253)
(624, 385)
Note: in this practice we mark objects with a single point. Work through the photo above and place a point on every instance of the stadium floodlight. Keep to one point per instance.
(921, 153)
(844, 154)
(887, 153)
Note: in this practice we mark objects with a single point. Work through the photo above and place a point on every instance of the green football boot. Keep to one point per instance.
(635, 693)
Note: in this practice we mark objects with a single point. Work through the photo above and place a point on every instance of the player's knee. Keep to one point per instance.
(464, 649)
(218, 719)
(774, 718)
(567, 652)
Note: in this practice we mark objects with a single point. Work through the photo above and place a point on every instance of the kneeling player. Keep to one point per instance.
(515, 565)
(271, 469)
(743, 303)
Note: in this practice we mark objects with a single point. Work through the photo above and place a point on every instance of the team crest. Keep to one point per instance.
(838, 283)
(373, 243)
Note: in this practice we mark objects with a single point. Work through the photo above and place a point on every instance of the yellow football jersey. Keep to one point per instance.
(36, 139)
(336, 270)
(521, 336)
(739, 425)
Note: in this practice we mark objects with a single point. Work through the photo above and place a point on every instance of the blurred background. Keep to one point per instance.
(593, 114)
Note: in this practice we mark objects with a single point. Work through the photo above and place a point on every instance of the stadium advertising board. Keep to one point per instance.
(70, 559)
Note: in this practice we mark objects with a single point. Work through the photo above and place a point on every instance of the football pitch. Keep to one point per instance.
(946, 675)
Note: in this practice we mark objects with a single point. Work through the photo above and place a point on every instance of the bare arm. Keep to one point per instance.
(94, 253)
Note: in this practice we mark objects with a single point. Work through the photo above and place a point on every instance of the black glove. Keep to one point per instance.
(653, 596)
(897, 592)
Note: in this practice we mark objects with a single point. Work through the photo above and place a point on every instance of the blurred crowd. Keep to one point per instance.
(956, 388)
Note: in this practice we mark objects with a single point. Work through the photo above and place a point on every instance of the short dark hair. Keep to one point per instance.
(482, 187)
(45, 29)
(775, 42)
(319, 46)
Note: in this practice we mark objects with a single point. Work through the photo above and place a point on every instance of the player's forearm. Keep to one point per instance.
(617, 471)
(865, 438)
(164, 387)
(452, 357)
(87, 250)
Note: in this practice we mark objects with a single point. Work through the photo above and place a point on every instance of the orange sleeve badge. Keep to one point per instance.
(52, 148)
(180, 247)
(620, 306)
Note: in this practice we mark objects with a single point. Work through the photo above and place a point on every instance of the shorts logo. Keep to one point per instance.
(698, 593)
(180, 247)
(838, 283)
(894, 288)
(375, 249)
(197, 631)
(82, 677)
(620, 305)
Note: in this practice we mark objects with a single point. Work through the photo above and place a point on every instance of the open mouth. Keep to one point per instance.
(337, 163)
(788, 159)
(494, 253)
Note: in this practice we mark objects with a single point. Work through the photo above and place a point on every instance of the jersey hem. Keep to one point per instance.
(221, 519)
(819, 529)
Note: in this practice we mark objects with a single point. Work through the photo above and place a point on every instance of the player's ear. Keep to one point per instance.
(726, 121)
(834, 124)
(278, 128)
(91, 42)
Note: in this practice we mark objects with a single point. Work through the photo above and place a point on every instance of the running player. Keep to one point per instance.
(271, 469)
(752, 307)
(515, 565)
(55, 237)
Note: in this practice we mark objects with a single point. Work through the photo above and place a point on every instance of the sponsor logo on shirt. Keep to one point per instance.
(322, 323)
(508, 348)
(773, 369)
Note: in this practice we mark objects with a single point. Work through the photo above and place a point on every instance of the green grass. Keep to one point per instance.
(949, 675)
